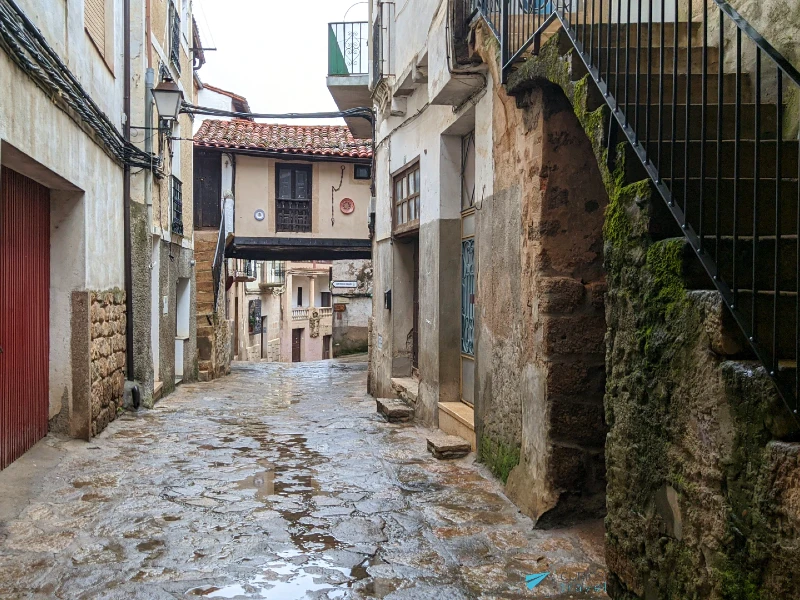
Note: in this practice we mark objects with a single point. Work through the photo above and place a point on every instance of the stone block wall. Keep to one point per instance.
(701, 454)
(540, 305)
(107, 353)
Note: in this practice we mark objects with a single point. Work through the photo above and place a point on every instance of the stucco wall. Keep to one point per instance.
(255, 189)
(42, 142)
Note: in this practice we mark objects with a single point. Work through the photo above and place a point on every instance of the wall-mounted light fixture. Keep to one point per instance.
(168, 97)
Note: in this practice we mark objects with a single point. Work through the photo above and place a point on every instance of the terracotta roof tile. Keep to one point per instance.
(313, 140)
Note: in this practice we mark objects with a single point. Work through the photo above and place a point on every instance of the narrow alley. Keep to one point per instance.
(282, 482)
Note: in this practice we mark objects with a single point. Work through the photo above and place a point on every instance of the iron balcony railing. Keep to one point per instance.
(710, 108)
(377, 47)
(348, 48)
(273, 274)
(177, 205)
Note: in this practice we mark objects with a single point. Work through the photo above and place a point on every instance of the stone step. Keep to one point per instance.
(616, 84)
(726, 150)
(767, 117)
(394, 410)
(444, 446)
(639, 35)
(653, 57)
(458, 418)
(736, 204)
(406, 388)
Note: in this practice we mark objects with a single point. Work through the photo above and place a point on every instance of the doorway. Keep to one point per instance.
(264, 336)
(24, 313)
(415, 329)
(297, 341)
(326, 347)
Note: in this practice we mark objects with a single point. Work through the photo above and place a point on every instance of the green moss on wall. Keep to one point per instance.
(500, 457)
(665, 386)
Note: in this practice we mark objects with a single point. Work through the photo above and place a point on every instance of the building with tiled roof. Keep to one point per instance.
(288, 192)
(317, 141)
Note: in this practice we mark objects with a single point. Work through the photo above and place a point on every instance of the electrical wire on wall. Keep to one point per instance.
(30, 51)
(333, 191)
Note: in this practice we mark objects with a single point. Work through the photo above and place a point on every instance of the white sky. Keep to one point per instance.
(272, 52)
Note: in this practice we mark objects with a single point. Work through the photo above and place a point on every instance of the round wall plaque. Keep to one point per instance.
(347, 206)
(259, 215)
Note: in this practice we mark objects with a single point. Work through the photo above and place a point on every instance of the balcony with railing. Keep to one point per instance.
(348, 70)
(273, 274)
(300, 314)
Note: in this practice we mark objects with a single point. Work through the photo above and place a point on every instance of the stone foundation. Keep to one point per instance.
(107, 353)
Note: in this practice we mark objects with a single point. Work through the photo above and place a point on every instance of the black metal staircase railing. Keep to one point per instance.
(711, 110)
(219, 260)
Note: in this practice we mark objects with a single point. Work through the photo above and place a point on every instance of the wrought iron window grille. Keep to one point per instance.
(174, 38)
(177, 205)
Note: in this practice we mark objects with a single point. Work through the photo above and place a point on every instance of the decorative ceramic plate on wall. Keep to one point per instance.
(347, 206)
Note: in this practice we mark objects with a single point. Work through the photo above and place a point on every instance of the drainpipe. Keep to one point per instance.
(126, 193)
(149, 80)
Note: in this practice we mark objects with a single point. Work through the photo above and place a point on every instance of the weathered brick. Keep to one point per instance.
(560, 294)
(575, 378)
(579, 334)
(580, 423)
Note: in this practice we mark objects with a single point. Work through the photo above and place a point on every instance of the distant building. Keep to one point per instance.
(295, 198)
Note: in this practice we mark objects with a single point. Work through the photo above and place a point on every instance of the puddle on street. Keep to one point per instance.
(285, 580)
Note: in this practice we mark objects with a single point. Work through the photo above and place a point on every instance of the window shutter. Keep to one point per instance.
(95, 22)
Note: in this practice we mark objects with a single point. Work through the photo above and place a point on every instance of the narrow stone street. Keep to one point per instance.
(279, 481)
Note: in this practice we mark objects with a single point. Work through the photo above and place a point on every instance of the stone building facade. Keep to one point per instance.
(680, 436)
(352, 305)
(107, 351)
(609, 379)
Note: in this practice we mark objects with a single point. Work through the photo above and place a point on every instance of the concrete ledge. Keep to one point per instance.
(394, 410)
(406, 388)
(444, 446)
(458, 418)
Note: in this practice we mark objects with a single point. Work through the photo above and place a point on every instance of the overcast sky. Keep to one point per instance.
(273, 52)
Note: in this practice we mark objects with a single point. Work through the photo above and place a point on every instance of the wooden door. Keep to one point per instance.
(415, 330)
(264, 336)
(207, 190)
(297, 337)
(24, 313)
(326, 347)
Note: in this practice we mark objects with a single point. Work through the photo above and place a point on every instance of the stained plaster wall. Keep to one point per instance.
(86, 185)
(151, 211)
(431, 134)
(350, 326)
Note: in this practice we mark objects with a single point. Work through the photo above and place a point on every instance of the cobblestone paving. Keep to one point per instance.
(280, 482)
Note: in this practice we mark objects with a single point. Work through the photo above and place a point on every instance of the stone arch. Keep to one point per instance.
(541, 393)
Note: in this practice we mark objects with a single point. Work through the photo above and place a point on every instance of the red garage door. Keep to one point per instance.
(24, 313)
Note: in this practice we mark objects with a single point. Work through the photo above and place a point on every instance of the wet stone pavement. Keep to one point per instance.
(280, 482)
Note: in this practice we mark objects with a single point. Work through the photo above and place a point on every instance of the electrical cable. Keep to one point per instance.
(31, 52)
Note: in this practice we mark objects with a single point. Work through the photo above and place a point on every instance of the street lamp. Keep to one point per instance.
(168, 97)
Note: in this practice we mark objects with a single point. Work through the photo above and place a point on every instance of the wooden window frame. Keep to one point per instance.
(104, 47)
(294, 168)
(410, 225)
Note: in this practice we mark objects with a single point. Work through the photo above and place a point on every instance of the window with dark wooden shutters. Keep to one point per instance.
(94, 20)
(293, 198)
